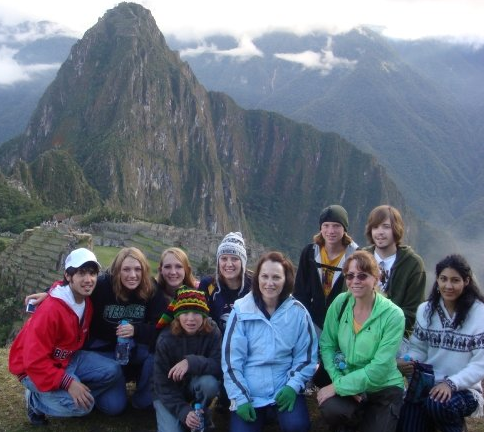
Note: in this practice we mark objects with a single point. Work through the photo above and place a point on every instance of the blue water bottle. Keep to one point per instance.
(339, 361)
(199, 413)
(122, 348)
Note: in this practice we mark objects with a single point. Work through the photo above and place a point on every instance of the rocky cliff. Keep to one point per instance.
(142, 135)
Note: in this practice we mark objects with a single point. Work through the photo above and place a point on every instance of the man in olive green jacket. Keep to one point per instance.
(402, 271)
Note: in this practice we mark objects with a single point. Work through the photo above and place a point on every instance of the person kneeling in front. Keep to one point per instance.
(61, 379)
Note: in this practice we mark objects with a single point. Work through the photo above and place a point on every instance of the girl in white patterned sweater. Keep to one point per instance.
(448, 334)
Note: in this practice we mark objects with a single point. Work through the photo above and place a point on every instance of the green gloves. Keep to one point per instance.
(286, 398)
(246, 412)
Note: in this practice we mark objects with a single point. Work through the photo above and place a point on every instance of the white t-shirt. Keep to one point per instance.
(385, 265)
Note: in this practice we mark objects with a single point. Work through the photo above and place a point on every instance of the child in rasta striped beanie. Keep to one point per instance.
(187, 365)
(186, 300)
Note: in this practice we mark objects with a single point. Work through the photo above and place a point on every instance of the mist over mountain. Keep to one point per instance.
(418, 106)
(30, 56)
(413, 104)
(139, 133)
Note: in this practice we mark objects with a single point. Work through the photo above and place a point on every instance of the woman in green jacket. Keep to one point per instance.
(361, 336)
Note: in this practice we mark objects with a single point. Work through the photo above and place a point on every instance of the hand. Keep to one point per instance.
(125, 330)
(38, 297)
(358, 397)
(441, 392)
(192, 420)
(177, 372)
(81, 394)
(286, 398)
(247, 412)
(405, 367)
(325, 393)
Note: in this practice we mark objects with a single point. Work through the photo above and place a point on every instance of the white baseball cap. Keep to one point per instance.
(80, 256)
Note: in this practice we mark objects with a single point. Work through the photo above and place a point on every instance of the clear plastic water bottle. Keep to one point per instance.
(339, 361)
(122, 348)
(404, 347)
(199, 413)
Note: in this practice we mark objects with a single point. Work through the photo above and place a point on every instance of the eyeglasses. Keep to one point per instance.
(360, 276)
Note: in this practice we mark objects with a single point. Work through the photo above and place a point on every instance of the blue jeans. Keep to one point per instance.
(141, 357)
(203, 388)
(295, 421)
(96, 372)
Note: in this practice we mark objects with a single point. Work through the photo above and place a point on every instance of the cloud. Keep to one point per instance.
(325, 60)
(191, 20)
(244, 51)
(29, 31)
(12, 72)
(14, 37)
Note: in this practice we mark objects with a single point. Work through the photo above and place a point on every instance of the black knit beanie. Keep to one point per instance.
(334, 213)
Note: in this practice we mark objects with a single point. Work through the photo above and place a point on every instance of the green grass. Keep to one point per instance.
(152, 243)
(106, 255)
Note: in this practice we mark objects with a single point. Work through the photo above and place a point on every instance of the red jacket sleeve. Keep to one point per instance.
(44, 347)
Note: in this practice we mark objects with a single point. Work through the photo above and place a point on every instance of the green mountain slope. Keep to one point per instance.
(151, 141)
(415, 106)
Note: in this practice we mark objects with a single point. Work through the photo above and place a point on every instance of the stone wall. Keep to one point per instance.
(199, 244)
(36, 258)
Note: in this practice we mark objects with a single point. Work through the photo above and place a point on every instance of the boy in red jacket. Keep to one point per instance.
(61, 379)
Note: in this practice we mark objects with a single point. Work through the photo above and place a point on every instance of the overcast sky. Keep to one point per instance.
(461, 19)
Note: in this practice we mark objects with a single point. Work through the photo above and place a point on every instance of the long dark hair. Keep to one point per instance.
(469, 295)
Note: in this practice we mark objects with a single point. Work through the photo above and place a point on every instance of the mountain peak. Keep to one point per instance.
(127, 19)
(148, 139)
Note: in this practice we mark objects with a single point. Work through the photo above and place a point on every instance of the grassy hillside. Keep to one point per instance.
(106, 255)
(18, 211)
(14, 419)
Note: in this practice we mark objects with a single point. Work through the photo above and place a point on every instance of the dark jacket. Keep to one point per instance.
(406, 285)
(308, 287)
(221, 299)
(202, 352)
(108, 311)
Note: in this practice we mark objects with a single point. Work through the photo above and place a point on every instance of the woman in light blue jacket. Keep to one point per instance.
(269, 352)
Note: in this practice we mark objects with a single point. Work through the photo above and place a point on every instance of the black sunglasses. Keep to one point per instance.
(360, 276)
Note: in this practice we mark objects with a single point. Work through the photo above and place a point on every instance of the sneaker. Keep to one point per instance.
(35, 419)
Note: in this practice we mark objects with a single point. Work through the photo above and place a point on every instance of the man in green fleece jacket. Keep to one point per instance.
(402, 272)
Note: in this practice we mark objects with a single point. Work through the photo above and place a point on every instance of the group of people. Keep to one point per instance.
(257, 341)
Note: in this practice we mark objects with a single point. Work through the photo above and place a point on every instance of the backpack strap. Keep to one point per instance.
(326, 266)
(343, 307)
